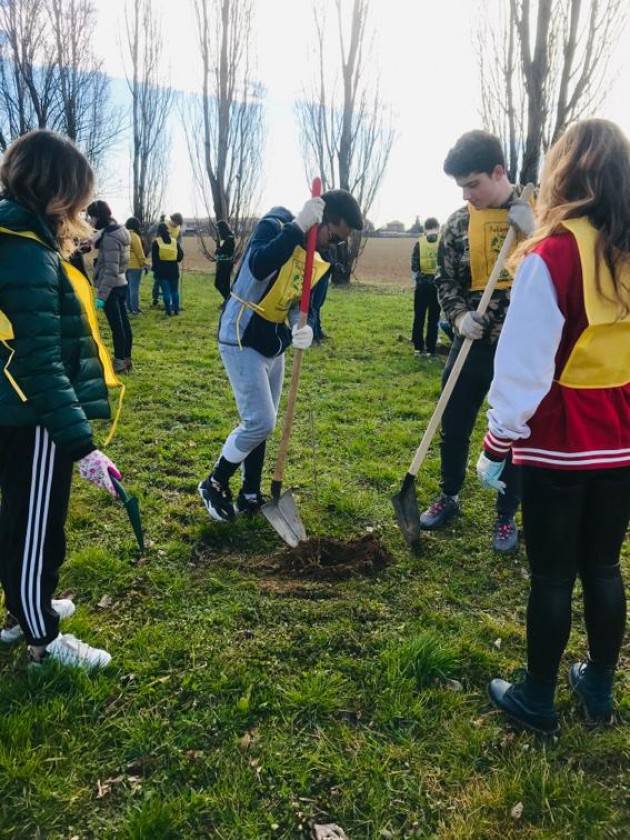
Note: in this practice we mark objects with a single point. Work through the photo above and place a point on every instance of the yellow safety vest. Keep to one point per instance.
(174, 231)
(83, 291)
(287, 288)
(167, 250)
(428, 255)
(601, 355)
(487, 230)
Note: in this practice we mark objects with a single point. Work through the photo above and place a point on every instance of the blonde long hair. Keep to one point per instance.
(587, 173)
(45, 173)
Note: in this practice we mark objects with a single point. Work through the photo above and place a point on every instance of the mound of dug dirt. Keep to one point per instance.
(325, 558)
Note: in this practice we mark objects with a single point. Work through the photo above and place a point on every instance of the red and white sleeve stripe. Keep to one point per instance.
(497, 448)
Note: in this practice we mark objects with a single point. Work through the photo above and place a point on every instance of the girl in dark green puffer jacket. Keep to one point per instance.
(52, 383)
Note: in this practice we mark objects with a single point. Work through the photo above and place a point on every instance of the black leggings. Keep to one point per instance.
(116, 311)
(575, 523)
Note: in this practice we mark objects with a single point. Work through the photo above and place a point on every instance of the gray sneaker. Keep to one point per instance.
(505, 535)
(440, 512)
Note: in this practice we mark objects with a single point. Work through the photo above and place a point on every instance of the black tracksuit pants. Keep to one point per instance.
(426, 308)
(575, 522)
(35, 482)
(459, 420)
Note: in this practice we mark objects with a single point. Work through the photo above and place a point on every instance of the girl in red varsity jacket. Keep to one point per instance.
(560, 403)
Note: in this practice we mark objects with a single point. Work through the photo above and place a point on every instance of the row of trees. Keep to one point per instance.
(543, 63)
(50, 76)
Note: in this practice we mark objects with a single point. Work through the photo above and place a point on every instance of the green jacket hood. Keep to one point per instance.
(16, 217)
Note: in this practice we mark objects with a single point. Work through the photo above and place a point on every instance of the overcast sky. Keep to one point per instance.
(425, 56)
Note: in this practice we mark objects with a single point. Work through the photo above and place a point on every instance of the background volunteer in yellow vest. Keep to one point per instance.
(53, 375)
(426, 308)
(137, 264)
(174, 225)
(470, 242)
(258, 323)
(166, 254)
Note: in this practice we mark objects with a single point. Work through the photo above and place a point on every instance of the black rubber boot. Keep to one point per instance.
(528, 703)
(593, 686)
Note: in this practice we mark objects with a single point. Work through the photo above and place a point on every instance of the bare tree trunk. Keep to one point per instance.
(82, 89)
(151, 101)
(535, 72)
(562, 79)
(348, 143)
(224, 125)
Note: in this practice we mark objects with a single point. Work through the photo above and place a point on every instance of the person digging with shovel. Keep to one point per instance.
(470, 243)
(258, 324)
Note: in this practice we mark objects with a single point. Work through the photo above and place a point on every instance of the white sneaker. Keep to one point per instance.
(68, 650)
(12, 633)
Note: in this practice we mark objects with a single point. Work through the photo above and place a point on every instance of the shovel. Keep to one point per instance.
(131, 505)
(405, 502)
(281, 510)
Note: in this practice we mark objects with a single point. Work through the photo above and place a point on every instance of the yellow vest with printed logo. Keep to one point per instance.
(601, 356)
(428, 252)
(287, 288)
(487, 230)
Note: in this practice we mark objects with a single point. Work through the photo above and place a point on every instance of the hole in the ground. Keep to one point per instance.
(324, 558)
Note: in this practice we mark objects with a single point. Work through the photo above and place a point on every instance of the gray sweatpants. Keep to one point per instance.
(257, 384)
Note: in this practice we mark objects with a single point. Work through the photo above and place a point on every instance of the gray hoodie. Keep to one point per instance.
(112, 260)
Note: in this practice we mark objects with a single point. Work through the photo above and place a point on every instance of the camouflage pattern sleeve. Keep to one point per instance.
(453, 277)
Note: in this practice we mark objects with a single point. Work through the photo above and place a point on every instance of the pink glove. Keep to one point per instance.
(96, 468)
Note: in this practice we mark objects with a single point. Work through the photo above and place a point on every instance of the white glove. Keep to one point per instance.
(470, 325)
(96, 467)
(489, 471)
(522, 217)
(302, 337)
(311, 214)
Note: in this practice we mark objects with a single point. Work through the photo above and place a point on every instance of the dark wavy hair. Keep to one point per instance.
(48, 175)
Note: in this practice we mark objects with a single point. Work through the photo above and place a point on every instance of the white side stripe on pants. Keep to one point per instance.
(32, 561)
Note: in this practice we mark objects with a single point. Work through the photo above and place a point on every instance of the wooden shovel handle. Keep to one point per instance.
(445, 396)
(287, 424)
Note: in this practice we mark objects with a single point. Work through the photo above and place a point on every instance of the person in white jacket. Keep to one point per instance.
(560, 406)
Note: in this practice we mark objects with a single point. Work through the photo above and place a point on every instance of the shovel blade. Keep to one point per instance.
(407, 512)
(133, 512)
(282, 514)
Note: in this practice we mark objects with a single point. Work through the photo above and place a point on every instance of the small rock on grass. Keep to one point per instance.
(330, 831)
(517, 811)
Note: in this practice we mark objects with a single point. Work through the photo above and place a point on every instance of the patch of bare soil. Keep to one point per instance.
(327, 559)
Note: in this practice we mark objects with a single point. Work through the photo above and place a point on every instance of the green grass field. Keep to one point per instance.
(244, 705)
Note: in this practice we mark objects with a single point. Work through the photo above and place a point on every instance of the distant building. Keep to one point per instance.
(395, 227)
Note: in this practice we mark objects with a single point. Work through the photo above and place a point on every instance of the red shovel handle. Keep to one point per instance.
(311, 244)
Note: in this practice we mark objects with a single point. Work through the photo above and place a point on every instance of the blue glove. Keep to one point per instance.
(489, 471)
(100, 303)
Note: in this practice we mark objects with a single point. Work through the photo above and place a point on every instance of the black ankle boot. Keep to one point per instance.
(529, 703)
(593, 686)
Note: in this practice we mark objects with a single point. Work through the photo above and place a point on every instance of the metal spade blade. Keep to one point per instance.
(407, 512)
(282, 514)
